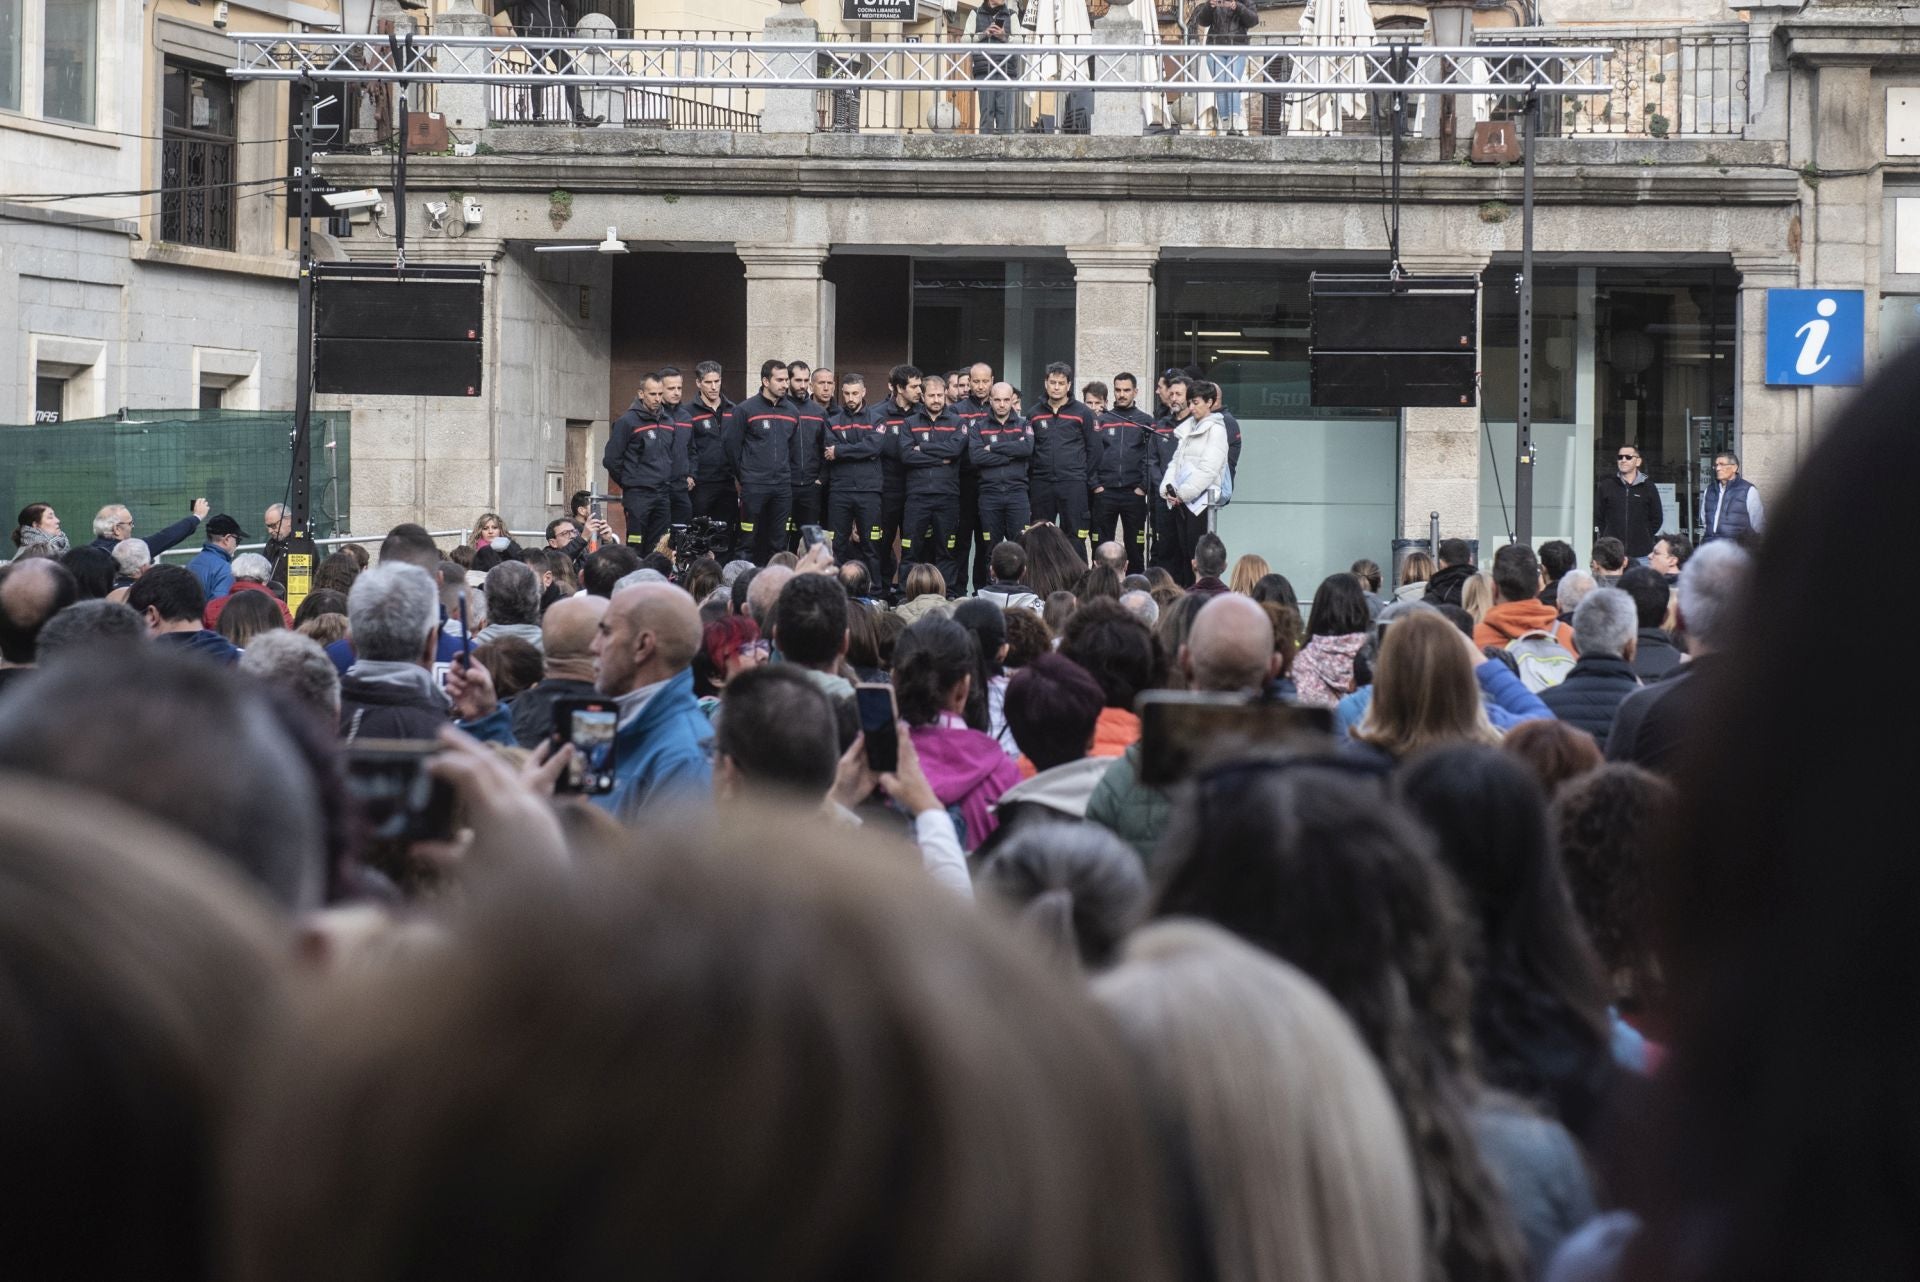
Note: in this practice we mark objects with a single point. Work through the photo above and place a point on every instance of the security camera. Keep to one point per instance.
(220, 16)
(437, 213)
(363, 198)
(470, 212)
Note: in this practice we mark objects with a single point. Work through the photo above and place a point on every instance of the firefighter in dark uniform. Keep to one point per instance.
(673, 387)
(1165, 550)
(931, 446)
(811, 408)
(760, 447)
(713, 489)
(1118, 469)
(1062, 441)
(1001, 443)
(852, 456)
(968, 408)
(639, 458)
(903, 397)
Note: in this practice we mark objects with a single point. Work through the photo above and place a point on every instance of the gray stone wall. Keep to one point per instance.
(58, 279)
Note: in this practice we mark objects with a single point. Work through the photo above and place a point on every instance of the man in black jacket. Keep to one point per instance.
(390, 691)
(114, 523)
(1227, 23)
(639, 458)
(852, 456)
(931, 446)
(1456, 567)
(1654, 653)
(1604, 629)
(1161, 445)
(967, 399)
(538, 18)
(760, 448)
(1118, 468)
(995, 22)
(714, 494)
(889, 420)
(1001, 443)
(1062, 442)
(1628, 506)
(673, 390)
(811, 411)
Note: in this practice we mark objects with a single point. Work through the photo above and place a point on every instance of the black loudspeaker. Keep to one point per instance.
(379, 331)
(1358, 380)
(1395, 341)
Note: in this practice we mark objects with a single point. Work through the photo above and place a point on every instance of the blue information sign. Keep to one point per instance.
(1816, 337)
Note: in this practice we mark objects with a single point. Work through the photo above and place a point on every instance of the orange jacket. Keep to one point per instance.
(1510, 619)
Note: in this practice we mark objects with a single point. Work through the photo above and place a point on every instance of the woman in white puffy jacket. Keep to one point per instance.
(1198, 470)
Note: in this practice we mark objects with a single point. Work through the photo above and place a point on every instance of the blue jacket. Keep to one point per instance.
(1507, 699)
(213, 566)
(662, 753)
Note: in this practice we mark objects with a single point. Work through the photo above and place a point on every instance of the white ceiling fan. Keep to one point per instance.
(611, 245)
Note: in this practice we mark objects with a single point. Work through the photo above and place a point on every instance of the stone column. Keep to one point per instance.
(1113, 310)
(1770, 422)
(789, 111)
(464, 105)
(1118, 115)
(789, 306)
(1440, 448)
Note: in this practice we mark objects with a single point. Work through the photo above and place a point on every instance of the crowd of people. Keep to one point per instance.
(1490, 925)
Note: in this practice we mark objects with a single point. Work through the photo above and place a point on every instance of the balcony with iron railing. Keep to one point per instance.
(1644, 83)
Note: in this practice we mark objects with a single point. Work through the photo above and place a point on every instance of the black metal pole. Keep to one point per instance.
(1523, 424)
(1399, 135)
(299, 561)
(400, 163)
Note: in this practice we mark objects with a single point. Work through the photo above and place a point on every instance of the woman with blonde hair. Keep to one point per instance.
(1414, 573)
(1290, 1133)
(1247, 572)
(1476, 596)
(1425, 691)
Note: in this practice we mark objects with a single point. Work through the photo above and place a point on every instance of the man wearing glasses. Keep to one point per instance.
(1628, 507)
(1730, 508)
(114, 523)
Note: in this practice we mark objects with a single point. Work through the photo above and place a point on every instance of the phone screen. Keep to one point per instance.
(1181, 732)
(590, 726)
(877, 724)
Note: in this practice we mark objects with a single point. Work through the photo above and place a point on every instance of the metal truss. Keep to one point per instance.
(751, 64)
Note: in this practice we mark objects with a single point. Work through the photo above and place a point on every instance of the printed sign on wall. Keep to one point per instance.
(1816, 337)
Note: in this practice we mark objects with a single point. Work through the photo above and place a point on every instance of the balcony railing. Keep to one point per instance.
(197, 186)
(1612, 82)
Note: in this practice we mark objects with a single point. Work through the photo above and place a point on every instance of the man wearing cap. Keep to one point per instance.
(213, 565)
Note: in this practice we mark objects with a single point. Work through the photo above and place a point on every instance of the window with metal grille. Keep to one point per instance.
(197, 157)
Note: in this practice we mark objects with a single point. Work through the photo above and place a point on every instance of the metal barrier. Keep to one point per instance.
(1678, 82)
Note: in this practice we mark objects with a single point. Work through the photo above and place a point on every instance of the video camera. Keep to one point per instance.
(698, 538)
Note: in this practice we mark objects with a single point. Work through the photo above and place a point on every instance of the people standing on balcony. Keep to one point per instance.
(1628, 506)
(673, 392)
(713, 489)
(760, 448)
(852, 456)
(903, 397)
(1001, 443)
(1227, 22)
(995, 22)
(538, 19)
(640, 459)
(1062, 443)
(813, 402)
(1730, 508)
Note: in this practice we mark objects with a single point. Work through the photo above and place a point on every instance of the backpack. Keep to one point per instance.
(1540, 660)
(1226, 488)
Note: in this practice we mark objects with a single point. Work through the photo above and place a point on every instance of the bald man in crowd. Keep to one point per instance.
(566, 631)
(643, 650)
(1230, 647)
(31, 592)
